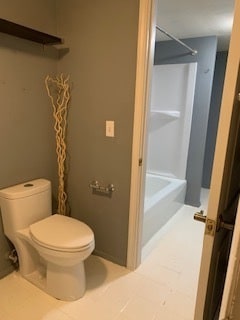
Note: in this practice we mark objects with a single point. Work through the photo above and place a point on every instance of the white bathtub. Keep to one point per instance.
(163, 197)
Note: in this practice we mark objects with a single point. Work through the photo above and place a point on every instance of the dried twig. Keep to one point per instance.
(58, 91)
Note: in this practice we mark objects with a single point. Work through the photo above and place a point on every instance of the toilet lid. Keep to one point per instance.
(62, 233)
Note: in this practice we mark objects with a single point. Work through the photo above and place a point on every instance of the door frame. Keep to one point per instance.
(145, 57)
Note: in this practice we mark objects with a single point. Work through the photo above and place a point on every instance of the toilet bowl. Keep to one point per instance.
(51, 248)
(64, 251)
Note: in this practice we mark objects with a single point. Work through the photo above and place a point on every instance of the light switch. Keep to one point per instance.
(109, 128)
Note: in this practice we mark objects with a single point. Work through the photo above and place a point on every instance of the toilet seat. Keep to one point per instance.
(62, 233)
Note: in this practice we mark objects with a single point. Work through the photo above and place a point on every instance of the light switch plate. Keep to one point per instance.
(109, 128)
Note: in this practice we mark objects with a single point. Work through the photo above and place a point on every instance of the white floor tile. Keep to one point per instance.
(140, 308)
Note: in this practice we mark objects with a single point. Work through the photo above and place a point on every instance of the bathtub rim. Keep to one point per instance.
(174, 183)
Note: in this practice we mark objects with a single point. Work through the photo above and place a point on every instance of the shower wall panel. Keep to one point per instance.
(173, 88)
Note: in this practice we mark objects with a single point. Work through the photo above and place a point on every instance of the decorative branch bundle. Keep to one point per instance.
(58, 91)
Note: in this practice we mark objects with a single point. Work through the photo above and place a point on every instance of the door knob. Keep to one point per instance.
(200, 217)
(211, 225)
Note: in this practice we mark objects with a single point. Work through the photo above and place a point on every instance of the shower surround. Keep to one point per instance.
(170, 118)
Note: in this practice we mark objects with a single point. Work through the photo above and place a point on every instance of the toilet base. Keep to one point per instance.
(66, 283)
(37, 279)
(63, 283)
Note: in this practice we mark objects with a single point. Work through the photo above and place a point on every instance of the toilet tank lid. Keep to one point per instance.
(25, 189)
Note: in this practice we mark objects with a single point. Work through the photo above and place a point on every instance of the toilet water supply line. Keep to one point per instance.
(58, 90)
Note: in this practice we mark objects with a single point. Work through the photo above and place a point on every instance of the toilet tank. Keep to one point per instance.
(24, 204)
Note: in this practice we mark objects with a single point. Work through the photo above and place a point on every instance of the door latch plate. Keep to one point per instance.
(210, 227)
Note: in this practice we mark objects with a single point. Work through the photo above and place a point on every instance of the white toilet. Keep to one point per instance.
(51, 248)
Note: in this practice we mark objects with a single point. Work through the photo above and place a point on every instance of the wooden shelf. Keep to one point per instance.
(23, 32)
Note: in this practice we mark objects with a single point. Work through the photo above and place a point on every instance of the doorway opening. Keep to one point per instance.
(171, 239)
(197, 155)
(182, 128)
(191, 195)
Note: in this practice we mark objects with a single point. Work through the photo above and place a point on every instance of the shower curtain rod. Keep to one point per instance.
(193, 52)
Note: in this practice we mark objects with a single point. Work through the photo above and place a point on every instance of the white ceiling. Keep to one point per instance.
(196, 18)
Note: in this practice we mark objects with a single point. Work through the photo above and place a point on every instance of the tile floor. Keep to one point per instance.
(162, 288)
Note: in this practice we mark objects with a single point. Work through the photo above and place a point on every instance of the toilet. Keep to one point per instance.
(51, 249)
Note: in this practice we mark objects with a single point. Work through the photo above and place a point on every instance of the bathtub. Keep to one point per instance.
(163, 197)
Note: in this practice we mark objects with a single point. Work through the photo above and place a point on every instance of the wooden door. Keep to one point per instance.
(224, 189)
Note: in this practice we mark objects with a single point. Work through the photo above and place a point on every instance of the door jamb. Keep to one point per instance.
(145, 56)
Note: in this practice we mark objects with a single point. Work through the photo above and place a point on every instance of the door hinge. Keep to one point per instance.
(140, 162)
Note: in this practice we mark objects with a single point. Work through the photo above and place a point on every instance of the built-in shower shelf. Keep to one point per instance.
(166, 114)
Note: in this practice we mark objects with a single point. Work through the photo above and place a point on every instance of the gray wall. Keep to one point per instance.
(27, 138)
(218, 81)
(102, 39)
(170, 52)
